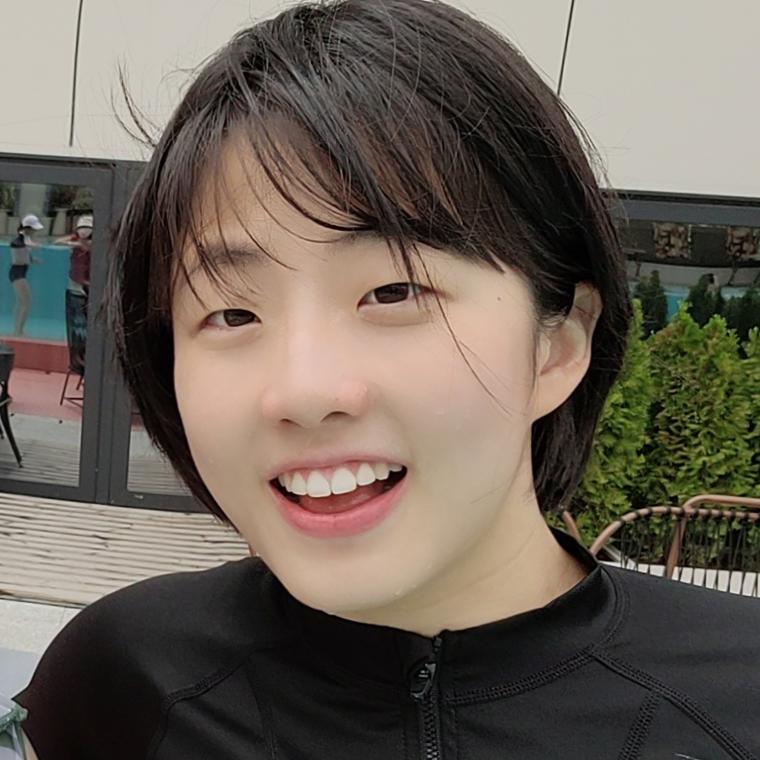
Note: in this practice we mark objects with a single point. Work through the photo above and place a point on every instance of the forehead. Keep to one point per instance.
(244, 177)
(238, 204)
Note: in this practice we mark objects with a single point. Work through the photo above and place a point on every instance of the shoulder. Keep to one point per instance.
(229, 607)
(658, 610)
(108, 673)
(18, 241)
(699, 648)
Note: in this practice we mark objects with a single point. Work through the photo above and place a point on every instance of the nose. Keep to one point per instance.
(316, 372)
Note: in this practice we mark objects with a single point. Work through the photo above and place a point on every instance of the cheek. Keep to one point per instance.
(471, 424)
(492, 377)
(212, 406)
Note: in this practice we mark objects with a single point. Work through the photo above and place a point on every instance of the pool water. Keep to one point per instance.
(674, 294)
(48, 281)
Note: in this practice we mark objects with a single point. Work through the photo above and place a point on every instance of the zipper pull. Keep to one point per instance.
(423, 675)
(422, 681)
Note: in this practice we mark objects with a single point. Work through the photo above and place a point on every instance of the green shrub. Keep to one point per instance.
(653, 303)
(699, 418)
(751, 381)
(616, 461)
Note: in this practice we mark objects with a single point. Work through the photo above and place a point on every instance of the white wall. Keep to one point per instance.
(670, 91)
(667, 91)
(158, 41)
(38, 63)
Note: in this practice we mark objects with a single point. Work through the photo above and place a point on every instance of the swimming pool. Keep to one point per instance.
(48, 281)
(674, 294)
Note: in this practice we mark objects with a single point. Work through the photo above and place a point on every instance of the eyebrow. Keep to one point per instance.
(250, 255)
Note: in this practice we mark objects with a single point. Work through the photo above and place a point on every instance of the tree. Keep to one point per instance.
(616, 460)
(653, 302)
(743, 313)
(699, 419)
(751, 382)
(704, 301)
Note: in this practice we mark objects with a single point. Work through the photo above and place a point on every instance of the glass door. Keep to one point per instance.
(54, 220)
(138, 474)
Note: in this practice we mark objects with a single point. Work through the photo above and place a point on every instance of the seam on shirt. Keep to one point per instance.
(172, 698)
(404, 742)
(554, 672)
(463, 747)
(267, 720)
(690, 708)
(524, 684)
(640, 728)
(455, 729)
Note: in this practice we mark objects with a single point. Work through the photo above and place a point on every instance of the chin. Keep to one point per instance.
(343, 595)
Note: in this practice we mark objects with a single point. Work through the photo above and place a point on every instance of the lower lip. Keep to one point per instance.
(341, 524)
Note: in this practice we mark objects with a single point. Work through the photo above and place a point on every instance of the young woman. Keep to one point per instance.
(21, 258)
(80, 242)
(370, 301)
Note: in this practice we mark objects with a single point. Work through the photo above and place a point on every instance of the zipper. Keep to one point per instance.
(424, 690)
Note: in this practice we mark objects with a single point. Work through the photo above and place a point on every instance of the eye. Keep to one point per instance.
(397, 292)
(230, 318)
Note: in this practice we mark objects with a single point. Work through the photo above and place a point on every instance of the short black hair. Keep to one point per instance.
(417, 121)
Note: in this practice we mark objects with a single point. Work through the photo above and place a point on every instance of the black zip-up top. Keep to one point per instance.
(226, 665)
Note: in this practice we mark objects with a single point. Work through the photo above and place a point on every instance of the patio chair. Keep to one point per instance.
(7, 356)
(716, 547)
(570, 525)
(76, 337)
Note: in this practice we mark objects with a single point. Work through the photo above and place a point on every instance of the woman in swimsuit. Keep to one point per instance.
(21, 258)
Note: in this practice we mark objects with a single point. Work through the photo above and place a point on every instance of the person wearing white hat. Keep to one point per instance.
(79, 262)
(21, 258)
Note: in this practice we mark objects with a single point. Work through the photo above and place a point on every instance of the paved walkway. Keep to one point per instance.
(70, 553)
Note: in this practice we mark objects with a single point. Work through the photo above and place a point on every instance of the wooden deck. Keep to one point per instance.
(70, 553)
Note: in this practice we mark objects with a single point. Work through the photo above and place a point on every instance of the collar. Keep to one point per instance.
(529, 645)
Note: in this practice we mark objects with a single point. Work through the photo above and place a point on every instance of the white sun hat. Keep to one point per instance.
(84, 221)
(31, 220)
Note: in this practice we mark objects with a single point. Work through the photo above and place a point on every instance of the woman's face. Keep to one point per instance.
(325, 358)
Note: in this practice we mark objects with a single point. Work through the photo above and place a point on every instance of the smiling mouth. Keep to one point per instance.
(348, 501)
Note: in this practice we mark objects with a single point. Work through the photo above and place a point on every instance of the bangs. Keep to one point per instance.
(333, 144)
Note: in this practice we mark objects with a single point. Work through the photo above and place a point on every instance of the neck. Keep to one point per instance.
(517, 567)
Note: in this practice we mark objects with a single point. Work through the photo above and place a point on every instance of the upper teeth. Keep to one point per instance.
(344, 480)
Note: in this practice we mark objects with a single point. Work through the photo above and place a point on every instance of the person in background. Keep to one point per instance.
(21, 258)
(79, 263)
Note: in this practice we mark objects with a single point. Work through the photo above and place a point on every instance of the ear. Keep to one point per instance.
(564, 352)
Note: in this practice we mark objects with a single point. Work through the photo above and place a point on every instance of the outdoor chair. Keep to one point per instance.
(570, 525)
(76, 337)
(7, 356)
(716, 547)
